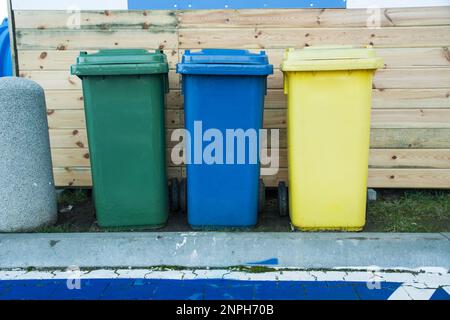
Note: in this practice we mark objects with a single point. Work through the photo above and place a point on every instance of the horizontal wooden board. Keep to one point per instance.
(417, 158)
(384, 79)
(410, 138)
(423, 78)
(31, 39)
(378, 178)
(384, 99)
(411, 118)
(415, 78)
(248, 38)
(277, 119)
(75, 119)
(411, 99)
(414, 57)
(64, 99)
(313, 18)
(388, 158)
(276, 99)
(394, 58)
(77, 138)
(391, 178)
(73, 100)
(53, 60)
(82, 177)
(380, 138)
(68, 138)
(410, 178)
(67, 158)
(295, 18)
(63, 80)
(398, 139)
(103, 20)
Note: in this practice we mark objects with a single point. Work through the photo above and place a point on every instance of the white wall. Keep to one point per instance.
(3, 10)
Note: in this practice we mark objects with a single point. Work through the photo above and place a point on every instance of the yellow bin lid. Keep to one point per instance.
(331, 58)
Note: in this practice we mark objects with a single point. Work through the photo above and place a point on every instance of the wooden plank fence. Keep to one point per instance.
(411, 106)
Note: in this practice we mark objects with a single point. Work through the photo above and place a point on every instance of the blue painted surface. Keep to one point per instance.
(5, 51)
(440, 294)
(214, 289)
(232, 4)
(270, 262)
(223, 92)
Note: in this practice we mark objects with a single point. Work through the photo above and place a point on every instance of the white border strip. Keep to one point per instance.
(415, 286)
(364, 4)
(123, 4)
(70, 5)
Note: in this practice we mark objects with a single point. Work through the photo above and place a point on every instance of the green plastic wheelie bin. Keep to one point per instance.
(124, 96)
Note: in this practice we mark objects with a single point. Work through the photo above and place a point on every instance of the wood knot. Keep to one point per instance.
(394, 158)
(43, 55)
(80, 144)
(75, 132)
(50, 112)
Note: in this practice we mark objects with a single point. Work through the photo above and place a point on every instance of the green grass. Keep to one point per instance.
(72, 197)
(396, 211)
(410, 211)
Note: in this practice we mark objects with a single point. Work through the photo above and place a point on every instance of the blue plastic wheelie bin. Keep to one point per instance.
(224, 92)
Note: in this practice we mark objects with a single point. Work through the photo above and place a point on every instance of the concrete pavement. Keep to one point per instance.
(223, 250)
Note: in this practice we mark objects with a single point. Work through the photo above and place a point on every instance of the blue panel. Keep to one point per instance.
(232, 4)
(158, 289)
(5, 51)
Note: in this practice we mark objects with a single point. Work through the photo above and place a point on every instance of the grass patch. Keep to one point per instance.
(72, 197)
(410, 211)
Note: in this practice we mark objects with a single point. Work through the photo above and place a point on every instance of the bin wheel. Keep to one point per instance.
(262, 196)
(183, 195)
(283, 199)
(174, 195)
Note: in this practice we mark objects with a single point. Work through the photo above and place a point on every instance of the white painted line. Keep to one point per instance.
(411, 293)
(363, 4)
(70, 5)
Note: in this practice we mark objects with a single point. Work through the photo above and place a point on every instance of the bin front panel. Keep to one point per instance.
(223, 195)
(125, 121)
(329, 136)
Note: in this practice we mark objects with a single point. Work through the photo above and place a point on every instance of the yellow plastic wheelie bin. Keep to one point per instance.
(329, 93)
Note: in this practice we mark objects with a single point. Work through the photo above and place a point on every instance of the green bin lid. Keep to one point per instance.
(331, 58)
(120, 62)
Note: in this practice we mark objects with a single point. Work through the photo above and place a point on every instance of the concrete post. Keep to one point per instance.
(27, 191)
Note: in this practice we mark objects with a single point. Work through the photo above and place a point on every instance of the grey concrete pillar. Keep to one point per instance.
(27, 191)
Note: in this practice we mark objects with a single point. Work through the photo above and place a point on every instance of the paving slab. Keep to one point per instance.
(223, 250)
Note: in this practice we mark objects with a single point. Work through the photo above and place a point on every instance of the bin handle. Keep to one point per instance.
(166, 83)
(286, 84)
(182, 85)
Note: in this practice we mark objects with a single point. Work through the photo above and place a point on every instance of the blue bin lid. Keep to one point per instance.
(225, 62)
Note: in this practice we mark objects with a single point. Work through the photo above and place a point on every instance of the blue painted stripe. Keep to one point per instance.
(233, 4)
(150, 289)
